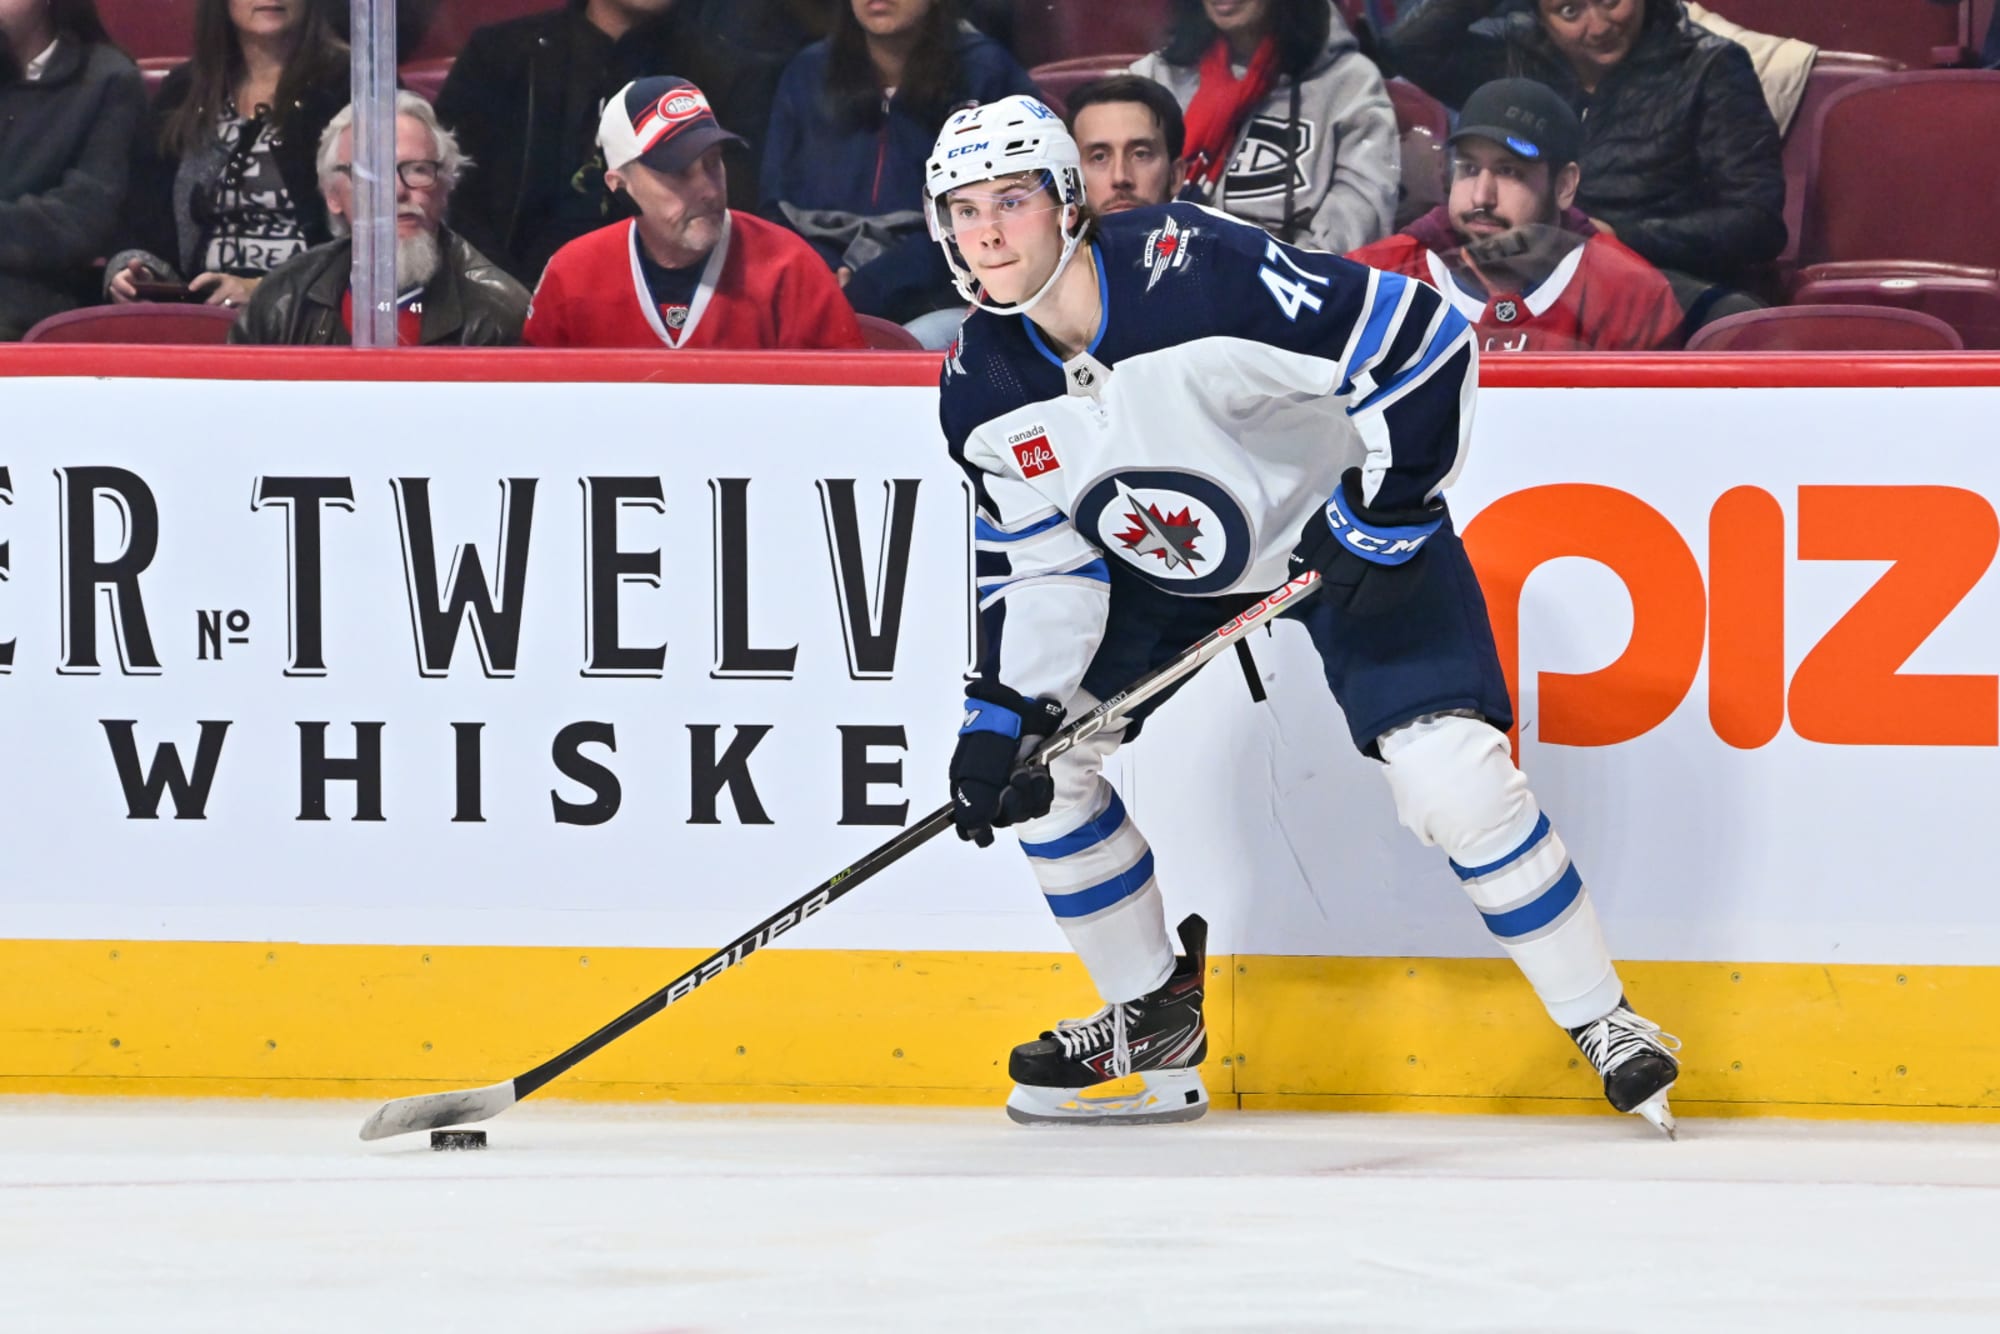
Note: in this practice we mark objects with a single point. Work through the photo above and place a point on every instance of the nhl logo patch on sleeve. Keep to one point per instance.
(1033, 453)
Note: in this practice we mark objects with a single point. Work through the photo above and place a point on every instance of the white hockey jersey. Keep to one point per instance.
(1232, 381)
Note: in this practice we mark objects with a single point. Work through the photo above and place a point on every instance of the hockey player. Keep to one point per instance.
(1165, 415)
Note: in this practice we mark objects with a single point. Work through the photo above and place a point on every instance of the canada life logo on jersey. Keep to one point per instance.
(1166, 248)
(1033, 452)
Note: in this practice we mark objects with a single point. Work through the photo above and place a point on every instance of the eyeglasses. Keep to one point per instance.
(419, 175)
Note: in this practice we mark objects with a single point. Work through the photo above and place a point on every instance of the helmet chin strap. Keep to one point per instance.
(1072, 237)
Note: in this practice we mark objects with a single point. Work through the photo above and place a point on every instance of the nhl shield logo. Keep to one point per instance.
(1506, 311)
(1166, 248)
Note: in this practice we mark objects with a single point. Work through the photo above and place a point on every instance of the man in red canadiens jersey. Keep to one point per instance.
(1512, 253)
(689, 271)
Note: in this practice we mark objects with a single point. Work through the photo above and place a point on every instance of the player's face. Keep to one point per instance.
(1125, 162)
(887, 18)
(1234, 18)
(1010, 232)
(1593, 35)
(1493, 191)
(680, 211)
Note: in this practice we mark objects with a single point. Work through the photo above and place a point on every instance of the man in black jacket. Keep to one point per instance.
(524, 98)
(1680, 153)
(447, 292)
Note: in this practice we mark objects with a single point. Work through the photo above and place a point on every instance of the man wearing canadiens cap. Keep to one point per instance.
(688, 271)
(1509, 249)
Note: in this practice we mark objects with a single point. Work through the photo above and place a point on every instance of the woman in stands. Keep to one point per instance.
(229, 191)
(855, 117)
(1680, 152)
(1288, 124)
(70, 107)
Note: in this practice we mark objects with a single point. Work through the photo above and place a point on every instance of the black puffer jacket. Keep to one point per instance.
(1680, 154)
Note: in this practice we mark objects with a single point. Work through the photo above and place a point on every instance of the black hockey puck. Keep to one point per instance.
(458, 1139)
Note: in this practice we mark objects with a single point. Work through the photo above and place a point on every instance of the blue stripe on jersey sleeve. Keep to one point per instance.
(987, 532)
(1388, 296)
(1449, 328)
(1096, 571)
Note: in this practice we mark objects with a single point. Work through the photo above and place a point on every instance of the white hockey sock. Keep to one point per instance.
(1096, 870)
(1457, 788)
(1535, 904)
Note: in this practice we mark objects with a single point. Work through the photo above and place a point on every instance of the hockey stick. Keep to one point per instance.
(428, 1111)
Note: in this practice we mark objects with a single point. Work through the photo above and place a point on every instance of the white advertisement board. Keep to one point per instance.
(636, 664)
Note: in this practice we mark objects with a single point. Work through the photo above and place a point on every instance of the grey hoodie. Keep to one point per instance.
(1342, 155)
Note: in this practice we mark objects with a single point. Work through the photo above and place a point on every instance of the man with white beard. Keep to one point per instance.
(447, 292)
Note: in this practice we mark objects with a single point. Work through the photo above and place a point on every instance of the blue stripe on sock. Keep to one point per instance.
(1101, 896)
(1539, 913)
(1077, 840)
(1535, 835)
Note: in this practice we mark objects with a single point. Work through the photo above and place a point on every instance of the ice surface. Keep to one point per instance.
(219, 1217)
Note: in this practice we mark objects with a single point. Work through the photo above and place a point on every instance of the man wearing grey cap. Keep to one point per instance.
(1510, 250)
(689, 271)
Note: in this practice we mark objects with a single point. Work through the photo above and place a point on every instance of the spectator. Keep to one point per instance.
(225, 186)
(447, 292)
(1783, 64)
(689, 271)
(1133, 142)
(1509, 250)
(1288, 124)
(855, 118)
(70, 107)
(524, 98)
(1680, 153)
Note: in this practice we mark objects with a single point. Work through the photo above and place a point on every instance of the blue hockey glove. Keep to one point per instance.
(1367, 558)
(988, 791)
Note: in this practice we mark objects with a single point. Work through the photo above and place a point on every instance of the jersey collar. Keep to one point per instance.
(711, 276)
(1103, 316)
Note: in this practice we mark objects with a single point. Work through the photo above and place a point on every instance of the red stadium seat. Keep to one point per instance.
(425, 77)
(1916, 32)
(1826, 329)
(141, 322)
(887, 335)
(1422, 124)
(1907, 167)
(145, 28)
(1059, 78)
(1050, 30)
(1831, 72)
(155, 69)
(1965, 297)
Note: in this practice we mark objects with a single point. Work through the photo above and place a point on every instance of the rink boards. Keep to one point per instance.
(496, 698)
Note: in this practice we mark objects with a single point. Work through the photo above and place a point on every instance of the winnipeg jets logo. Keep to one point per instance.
(952, 365)
(1272, 150)
(1170, 536)
(1166, 248)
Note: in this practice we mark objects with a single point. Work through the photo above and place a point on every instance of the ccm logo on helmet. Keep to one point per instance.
(963, 149)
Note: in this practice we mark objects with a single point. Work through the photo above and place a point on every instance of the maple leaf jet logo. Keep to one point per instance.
(1171, 537)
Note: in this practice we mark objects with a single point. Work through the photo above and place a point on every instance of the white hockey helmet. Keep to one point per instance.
(1005, 138)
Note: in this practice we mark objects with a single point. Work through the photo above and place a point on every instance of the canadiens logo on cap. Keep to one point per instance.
(669, 114)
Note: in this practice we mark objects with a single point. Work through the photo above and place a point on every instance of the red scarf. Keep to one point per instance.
(1222, 102)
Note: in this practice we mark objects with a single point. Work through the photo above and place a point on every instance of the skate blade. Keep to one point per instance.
(1658, 1114)
(1163, 1097)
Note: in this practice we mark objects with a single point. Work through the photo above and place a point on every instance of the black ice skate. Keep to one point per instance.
(1159, 1037)
(1636, 1060)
